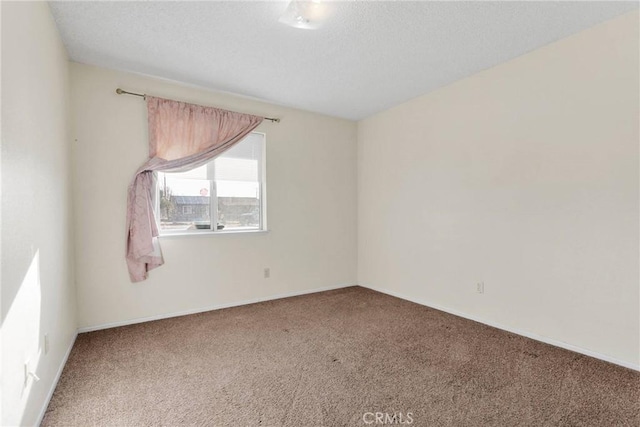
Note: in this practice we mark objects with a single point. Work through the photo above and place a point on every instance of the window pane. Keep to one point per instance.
(237, 175)
(239, 204)
(184, 201)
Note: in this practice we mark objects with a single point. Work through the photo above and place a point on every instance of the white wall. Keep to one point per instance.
(524, 176)
(311, 196)
(38, 291)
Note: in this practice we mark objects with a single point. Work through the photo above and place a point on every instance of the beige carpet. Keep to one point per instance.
(329, 359)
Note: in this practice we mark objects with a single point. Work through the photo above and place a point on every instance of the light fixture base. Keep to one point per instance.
(303, 14)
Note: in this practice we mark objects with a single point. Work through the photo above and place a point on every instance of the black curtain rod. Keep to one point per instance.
(142, 95)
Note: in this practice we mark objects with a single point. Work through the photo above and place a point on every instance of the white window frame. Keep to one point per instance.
(213, 208)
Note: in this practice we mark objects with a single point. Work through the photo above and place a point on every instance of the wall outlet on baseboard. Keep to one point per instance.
(267, 272)
(480, 287)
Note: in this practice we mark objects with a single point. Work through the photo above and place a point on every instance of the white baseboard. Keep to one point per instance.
(533, 336)
(208, 308)
(55, 380)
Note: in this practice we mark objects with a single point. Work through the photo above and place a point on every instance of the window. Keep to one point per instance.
(226, 194)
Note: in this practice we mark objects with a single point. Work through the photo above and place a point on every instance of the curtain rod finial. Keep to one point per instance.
(119, 91)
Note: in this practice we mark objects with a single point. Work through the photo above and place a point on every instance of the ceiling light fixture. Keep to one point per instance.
(304, 14)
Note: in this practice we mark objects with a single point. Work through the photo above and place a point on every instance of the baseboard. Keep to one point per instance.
(533, 336)
(55, 380)
(209, 308)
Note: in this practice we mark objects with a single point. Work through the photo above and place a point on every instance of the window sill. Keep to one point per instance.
(211, 233)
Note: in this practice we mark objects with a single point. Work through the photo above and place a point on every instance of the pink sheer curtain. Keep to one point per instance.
(181, 137)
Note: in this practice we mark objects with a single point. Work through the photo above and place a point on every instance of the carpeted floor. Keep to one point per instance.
(330, 359)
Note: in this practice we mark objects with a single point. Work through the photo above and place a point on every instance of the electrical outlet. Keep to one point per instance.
(267, 273)
(480, 287)
(46, 344)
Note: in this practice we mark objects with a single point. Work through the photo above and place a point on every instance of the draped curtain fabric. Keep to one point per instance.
(181, 137)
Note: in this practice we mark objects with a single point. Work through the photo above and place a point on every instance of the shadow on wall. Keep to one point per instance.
(21, 343)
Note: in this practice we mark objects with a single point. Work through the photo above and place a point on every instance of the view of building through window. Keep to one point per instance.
(227, 192)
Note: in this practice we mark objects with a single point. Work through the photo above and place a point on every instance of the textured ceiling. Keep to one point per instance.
(367, 57)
